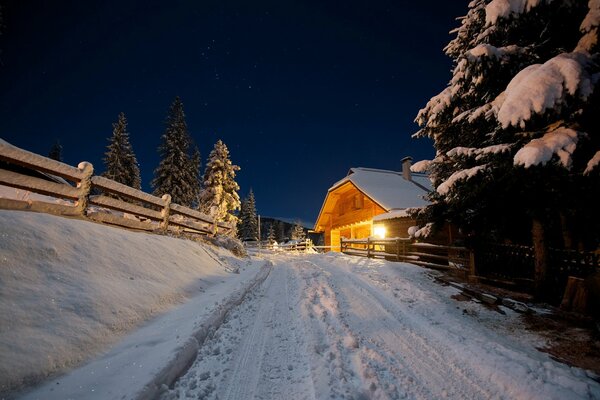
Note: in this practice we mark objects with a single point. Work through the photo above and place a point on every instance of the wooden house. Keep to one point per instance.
(371, 202)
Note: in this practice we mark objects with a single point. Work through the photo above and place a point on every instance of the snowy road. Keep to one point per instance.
(333, 326)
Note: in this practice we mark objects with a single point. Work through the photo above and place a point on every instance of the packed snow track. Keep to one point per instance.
(338, 327)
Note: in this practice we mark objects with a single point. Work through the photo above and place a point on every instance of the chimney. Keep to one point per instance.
(406, 162)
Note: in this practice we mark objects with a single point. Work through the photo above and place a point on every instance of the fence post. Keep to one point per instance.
(165, 212)
(368, 247)
(472, 269)
(397, 249)
(84, 186)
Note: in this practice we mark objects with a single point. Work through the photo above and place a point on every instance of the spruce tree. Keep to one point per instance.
(248, 224)
(175, 173)
(279, 231)
(298, 231)
(219, 197)
(119, 160)
(514, 129)
(196, 176)
(271, 234)
(55, 152)
(241, 216)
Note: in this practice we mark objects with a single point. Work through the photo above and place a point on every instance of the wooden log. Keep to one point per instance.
(199, 226)
(84, 186)
(38, 185)
(126, 191)
(165, 212)
(576, 296)
(38, 206)
(188, 212)
(125, 222)
(121, 205)
(24, 158)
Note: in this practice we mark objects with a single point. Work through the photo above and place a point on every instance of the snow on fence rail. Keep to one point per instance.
(74, 191)
(294, 245)
(404, 249)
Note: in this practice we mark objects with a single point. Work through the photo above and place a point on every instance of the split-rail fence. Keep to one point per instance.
(77, 192)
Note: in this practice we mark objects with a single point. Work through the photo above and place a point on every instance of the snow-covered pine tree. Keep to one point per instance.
(219, 197)
(248, 220)
(298, 231)
(119, 160)
(174, 174)
(55, 152)
(515, 130)
(271, 234)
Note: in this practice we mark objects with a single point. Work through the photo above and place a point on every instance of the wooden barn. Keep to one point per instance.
(371, 202)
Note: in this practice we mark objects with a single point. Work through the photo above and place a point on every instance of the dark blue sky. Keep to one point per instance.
(300, 91)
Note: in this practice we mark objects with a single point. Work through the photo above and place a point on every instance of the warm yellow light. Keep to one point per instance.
(379, 231)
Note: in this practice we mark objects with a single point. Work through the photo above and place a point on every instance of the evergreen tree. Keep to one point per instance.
(219, 197)
(119, 160)
(175, 174)
(298, 231)
(241, 217)
(271, 234)
(56, 151)
(279, 231)
(196, 174)
(248, 220)
(513, 131)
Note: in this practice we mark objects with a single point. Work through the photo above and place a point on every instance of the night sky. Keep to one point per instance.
(300, 91)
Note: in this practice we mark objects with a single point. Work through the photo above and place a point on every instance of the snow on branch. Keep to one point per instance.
(592, 19)
(593, 163)
(589, 27)
(464, 174)
(539, 87)
(487, 50)
(421, 166)
(435, 106)
(499, 9)
(478, 153)
(561, 141)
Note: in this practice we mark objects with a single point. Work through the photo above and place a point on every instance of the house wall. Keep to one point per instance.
(397, 227)
(352, 207)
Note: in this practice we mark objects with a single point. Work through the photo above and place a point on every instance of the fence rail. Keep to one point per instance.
(404, 249)
(74, 195)
(303, 245)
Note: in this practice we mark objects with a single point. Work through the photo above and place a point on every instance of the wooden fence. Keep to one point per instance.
(303, 245)
(77, 192)
(513, 265)
(404, 249)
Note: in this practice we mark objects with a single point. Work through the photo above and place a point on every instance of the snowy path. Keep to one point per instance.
(332, 326)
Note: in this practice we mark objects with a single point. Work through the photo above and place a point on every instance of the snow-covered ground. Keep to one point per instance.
(289, 326)
(70, 288)
(334, 326)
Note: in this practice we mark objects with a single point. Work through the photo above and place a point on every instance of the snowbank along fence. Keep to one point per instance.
(404, 249)
(77, 192)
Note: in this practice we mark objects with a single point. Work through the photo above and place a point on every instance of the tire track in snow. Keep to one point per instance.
(265, 356)
(420, 367)
(334, 345)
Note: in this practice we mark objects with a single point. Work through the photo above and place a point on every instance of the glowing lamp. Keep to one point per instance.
(379, 231)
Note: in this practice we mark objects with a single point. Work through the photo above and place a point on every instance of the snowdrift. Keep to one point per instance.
(69, 288)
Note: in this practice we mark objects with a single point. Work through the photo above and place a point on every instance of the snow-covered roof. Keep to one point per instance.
(389, 189)
(391, 215)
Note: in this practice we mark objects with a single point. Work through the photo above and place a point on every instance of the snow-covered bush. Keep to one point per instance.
(230, 243)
